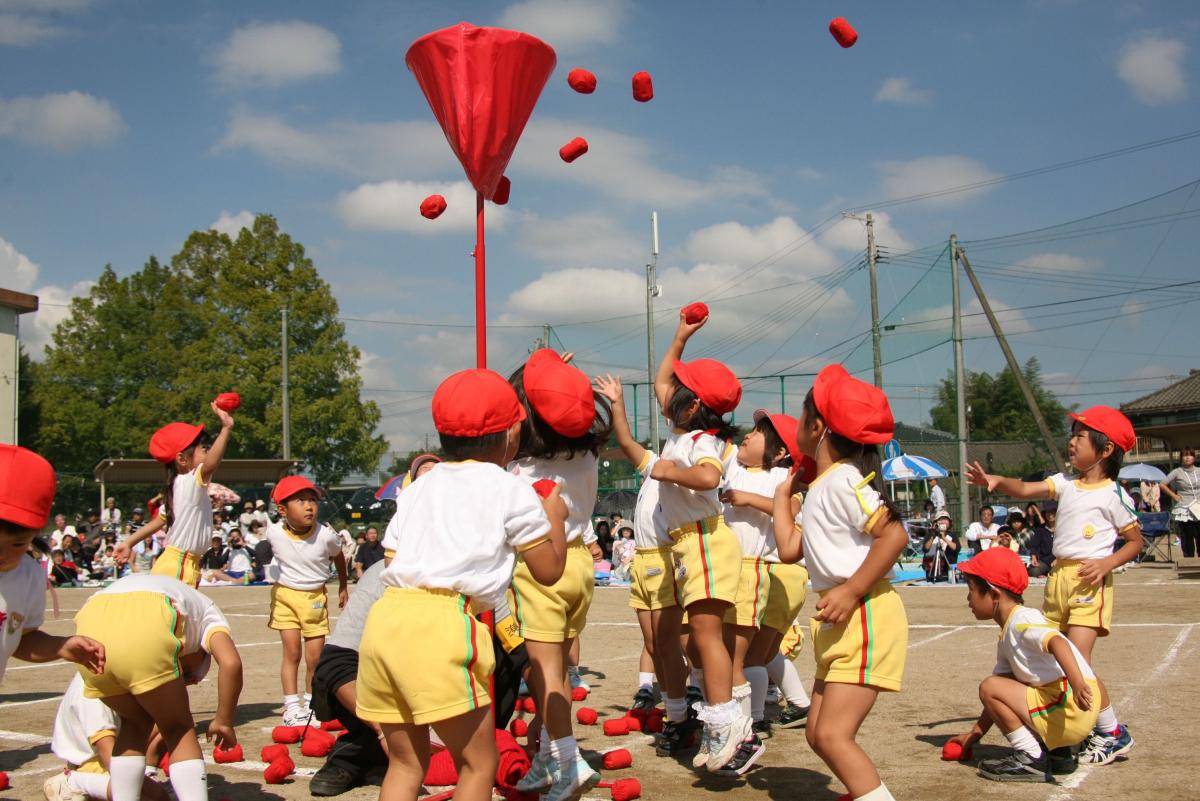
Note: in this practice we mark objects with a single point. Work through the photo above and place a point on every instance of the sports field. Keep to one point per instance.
(1149, 663)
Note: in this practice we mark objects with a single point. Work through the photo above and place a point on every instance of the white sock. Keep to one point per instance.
(783, 672)
(646, 681)
(290, 702)
(696, 679)
(757, 676)
(93, 785)
(308, 699)
(741, 694)
(564, 751)
(1107, 722)
(676, 709)
(1023, 740)
(189, 780)
(880, 793)
(125, 777)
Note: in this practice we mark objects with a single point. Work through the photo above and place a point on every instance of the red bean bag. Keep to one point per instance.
(433, 206)
(582, 81)
(643, 87)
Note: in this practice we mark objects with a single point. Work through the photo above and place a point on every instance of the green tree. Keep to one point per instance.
(996, 409)
(159, 344)
(29, 412)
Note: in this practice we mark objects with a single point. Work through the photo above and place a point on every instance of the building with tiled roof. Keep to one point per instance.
(1166, 420)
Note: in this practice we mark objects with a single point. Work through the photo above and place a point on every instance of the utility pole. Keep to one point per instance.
(287, 413)
(545, 335)
(872, 258)
(960, 388)
(652, 291)
(1026, 391)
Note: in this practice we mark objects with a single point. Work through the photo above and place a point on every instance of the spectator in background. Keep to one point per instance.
(929, 510)
(1033, 516)
(604, 537)
(1004, 539)
(61, 530)
(941, 544)
(215, 557)
(221, 526)
(260, 513)
(74, 553)
(622, 552)
(370, 552)
(91, 534)
(246, 517)
(110, 517)
(62, 572)
(137, 519)
(1183, 486)
(1151, 496)
(263, 554)
(239, 562)
(982, 534)
(937, 495)
(1041, 544)
(1018, 530)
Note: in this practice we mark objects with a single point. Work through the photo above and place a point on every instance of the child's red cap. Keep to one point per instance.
(472, 403)
(851, 408)
(999, 567)
(559, 393)
(1109, 422)
(26, 487)
(172, 438)
(714, 383)
(292, 485)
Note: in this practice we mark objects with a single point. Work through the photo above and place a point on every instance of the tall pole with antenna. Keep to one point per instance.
(960, 388)
(872, 257)
(652, 291)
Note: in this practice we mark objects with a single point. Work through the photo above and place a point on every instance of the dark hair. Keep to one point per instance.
(1112, 463)
(987, 506)
(984, 587)
(865, 458)
(539, 440)
(772, 445)
(705, 419)
(607, 527)
(460, 449)
(168, 495)
(1187, 452)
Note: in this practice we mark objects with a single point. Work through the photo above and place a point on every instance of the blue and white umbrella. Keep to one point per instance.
(1141, 472)
(907, 467)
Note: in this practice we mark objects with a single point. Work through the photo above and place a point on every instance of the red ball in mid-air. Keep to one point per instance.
(573, 149)
(643, 87)
(433, 206)
(582, 81)
(843, 31)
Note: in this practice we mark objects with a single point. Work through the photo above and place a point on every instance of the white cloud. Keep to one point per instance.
(275, 53)
(975, 324)
(29, 22)
(396, 206)
(232, 224)
(63, 121)
(927, 174)
(584, 239)
(19, 272)
(900, 90)
(567, 23)
(782, 242)
(851, 235)
(1059, 262)
(576, 293)
(1152, 66)
(366, 150)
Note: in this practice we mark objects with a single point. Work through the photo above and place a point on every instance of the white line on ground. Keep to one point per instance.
(935, 637)
(60, 663)
(27, 703)
(22, 737)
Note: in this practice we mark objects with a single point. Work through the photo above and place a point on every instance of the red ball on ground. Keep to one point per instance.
(433, 206)
(843, 31)
(616, 727)
(694, 313)
(316, 746)
(587, 716)
(286, 734)
(573, 149)
(229, 401)
(224, 756)
(519, 728)
(578, 693)
(615, 760)
(582, 81)
(529, 705)
(643, 87)
(277, 771)
(626, 790)
(642, 715)
(332, 725)
(655, 724)
(632, 723)
(270, 753)
(953, 752)
(3, 780)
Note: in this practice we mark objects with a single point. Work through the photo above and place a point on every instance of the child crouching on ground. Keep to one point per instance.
(425, 659)
(1042, 693)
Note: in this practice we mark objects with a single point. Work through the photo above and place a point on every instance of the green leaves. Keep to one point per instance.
(996, 409)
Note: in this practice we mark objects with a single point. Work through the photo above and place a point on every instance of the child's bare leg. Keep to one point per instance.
(408, 759)
(1084, 638)
(128, 763)
(312, 654)
(472, 743)
(668, 652)
(289, 668)
(548, 678)
(169, 707)
(831, 732)
(705, 621)
(1004, 699)
(647, 660)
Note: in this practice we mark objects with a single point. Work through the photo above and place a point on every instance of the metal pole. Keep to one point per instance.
(960, 388)
(651, 294)
(872, 257)
(782, 398)
(545, 335)
(287, 412)
(1026, 391)
(480, 287)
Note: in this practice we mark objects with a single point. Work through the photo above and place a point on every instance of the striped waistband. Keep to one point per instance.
(701, 527)
(434, 595)
(659, 549)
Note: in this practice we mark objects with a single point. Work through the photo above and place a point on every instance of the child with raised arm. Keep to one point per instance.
(695, 396)
(1093, 511)
(1042, 691)
(852, 536)
(425, 659)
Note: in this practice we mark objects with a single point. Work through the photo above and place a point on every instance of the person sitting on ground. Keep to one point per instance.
(369, 552)
(239, 562)
(62, 572)
(214, 558)
(1041, 544)
(1004, 539)
(981, 534)
(1019, 530)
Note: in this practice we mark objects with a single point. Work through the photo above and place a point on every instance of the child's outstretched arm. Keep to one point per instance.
(976, 732)
(123, 550)
(1060, 648)
(666, 368)
(1012, 487)
(212, 460)
(229, 689)
(611, 388)
(38, 646)
(788, 536)
(889, 541)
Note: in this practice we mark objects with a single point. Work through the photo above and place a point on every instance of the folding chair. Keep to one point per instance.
(1156, 537)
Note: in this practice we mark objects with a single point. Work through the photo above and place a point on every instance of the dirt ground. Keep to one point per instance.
(1148, 663)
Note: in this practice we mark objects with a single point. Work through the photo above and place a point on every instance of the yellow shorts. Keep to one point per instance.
(708, 561)
(423, 658)
(792, 640)
(142, 634)
(785, 599)
(653, 584)
(870, 647)
(1057, 719)
(753, 584)
(182, 565)
(557, 612)
(91, 766)
(307, 610)
(1071, 602)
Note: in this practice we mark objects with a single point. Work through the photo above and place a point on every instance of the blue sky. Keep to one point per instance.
(124, 126)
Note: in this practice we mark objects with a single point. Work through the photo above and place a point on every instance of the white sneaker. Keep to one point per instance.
(573, 781)
(724, 743)
(701, 757)
(58, 788)
(295, 716)
(774, 696)
(576, 679)
(542, 773)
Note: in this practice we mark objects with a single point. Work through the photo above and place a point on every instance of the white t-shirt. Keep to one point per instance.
(22, 605)
(938, 496)
(201, 617)
(681, 505)
(580, 481)
(80, 722)
(460, 527)
(240, 561)
(1090, 516)
(836, 514)
(649, 526)
(754, 529)
(193, 527)
(110, 516)
(976, 529)
(303, 560)
(1024, 649)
